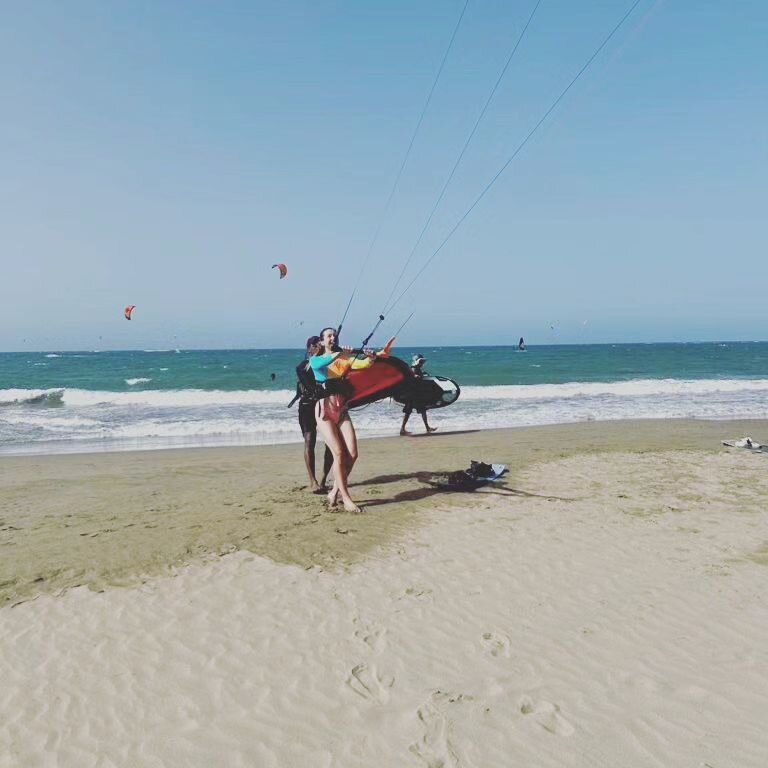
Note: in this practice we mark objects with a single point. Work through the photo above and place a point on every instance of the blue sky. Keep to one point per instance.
(166, 155)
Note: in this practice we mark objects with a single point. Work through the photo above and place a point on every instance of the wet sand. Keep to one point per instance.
(113, 519)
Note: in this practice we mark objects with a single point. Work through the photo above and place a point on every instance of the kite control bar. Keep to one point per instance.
(358, 352)
(375, 328)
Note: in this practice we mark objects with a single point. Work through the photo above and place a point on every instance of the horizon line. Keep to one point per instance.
(53, 350)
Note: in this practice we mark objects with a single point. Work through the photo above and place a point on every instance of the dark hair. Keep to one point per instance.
(312, 340)
(336, 346)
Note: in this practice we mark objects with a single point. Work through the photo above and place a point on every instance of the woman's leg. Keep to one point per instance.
(348, 434)
(327, 466)
(333, 439)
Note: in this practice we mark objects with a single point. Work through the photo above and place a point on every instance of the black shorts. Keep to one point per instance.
(307, 420)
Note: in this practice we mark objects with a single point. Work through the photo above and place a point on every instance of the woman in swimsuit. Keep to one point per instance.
(333, 421)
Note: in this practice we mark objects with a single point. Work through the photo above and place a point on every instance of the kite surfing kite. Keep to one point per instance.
(389, 376)
(365, 381)
(129, 311)
(283, 269)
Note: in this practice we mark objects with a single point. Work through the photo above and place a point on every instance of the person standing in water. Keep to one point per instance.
(417, 368)
(306, 394)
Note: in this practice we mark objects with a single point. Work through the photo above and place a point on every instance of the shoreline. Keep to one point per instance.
(116, 519)
(108, 446)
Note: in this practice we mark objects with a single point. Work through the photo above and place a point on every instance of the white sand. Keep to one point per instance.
(611, 612)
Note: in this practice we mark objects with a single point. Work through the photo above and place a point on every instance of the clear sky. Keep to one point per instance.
(167, 154)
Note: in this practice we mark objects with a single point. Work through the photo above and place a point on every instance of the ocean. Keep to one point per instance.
(60, 402)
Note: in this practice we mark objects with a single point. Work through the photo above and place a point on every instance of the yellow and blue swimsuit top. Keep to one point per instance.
(335, 365)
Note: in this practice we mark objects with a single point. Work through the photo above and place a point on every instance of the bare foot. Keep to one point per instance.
(405, 433)
(350, 506)
(431, 429)
(314, 486)
(333, 497)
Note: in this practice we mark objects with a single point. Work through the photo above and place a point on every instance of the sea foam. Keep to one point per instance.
(191, 417)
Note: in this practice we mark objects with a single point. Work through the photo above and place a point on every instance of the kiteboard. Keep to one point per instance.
(428, 392)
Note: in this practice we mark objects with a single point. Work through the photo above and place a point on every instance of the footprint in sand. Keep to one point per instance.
(417, 592)
(497, 643)
(437, 748)
(373, 636)
(547, 715)
(365, 681)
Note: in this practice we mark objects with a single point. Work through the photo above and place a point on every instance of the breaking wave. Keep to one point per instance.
(168, 418)
(52, 397)
(632, 388)
(190, 398)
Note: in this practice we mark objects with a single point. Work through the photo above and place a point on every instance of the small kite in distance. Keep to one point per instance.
(283, 269)
(129, 311)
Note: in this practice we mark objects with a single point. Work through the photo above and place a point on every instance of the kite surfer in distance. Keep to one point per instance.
(417, 369)
(306, 394)
(521, 344)
(333, 421)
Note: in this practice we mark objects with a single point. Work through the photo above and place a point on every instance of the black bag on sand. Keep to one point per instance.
(465, 479)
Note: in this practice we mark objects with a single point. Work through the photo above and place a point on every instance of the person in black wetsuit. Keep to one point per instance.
(306, 395)
(417, 368)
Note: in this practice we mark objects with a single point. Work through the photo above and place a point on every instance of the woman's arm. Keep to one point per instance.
(320, 365)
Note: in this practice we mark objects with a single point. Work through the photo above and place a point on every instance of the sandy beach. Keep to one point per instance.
(604, 605)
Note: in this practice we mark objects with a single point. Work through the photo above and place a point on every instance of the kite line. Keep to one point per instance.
(375, 237)
(517, 151)
(461, 153)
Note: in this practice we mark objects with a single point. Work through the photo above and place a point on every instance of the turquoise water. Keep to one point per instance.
(62, 401)
(232, 370)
